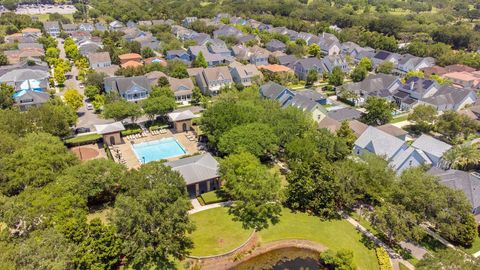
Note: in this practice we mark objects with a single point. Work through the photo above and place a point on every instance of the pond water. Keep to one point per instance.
(283, 259)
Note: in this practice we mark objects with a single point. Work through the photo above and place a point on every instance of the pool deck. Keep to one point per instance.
(129, 156)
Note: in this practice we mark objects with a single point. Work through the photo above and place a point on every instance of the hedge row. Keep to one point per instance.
(383, 259)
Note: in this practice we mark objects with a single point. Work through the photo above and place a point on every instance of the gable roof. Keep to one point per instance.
(373, 83)
(345, 114)
(31, 97)
(468, 183)
(180, 116)
(100, 57)
(123, 84)
(379, 142)
(392, 130)
(272, 90)
(109, 128)
(216, 73)
(430, 145)
(196, 169)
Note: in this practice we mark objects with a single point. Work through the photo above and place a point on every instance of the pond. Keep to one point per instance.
(283, 259)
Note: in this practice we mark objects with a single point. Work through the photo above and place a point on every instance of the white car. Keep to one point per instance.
(89, 107)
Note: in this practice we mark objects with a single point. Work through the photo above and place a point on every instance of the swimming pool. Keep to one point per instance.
(157, 150)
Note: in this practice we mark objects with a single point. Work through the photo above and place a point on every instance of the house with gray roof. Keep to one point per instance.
(394, 150)
(381, 85)
(202, 39)
(116, 26)
(287, 60)
(432, 147)
(286, 98)
(218, 46)
(200, 172)
(409, 62)
(99, 60)
(213, 59)
(130, 88)
(188, 20)
(244, 39)
(382, 56)
(27, 99)
(69, 28)
(33, 45)
(302, 66)
(347, 113)
(182, 88)
(329, 43)
(86, 47)
(276, 45)
(451, 98)
(180, 55)
(210, 80)
(26, 79)
(87, 27)
(101, 26)
(245, 74)
(227, 31)
(52, 28)
(467, 182)
(336, 60)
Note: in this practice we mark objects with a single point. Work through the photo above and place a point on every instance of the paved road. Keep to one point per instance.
(86, 118)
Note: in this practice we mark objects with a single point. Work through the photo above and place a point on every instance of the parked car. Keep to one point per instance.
(89, 107)
(81, 130)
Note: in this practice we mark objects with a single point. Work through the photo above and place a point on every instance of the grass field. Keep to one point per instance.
(83, 138)
(44, 17)
(475, 246)
(209, 198)
(400, 118)
(217, 233)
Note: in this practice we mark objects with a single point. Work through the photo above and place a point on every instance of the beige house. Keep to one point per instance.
(181, 121)
(111, 133)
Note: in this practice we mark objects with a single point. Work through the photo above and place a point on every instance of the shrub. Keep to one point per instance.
(383, 259)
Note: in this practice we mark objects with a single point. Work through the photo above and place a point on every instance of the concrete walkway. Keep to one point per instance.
(395, 258)
(197, 207)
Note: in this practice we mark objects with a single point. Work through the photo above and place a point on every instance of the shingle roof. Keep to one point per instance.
(392, 130)
(31, 97)
(180, 116)
(99, 57)
(345, 114)
(196, 169)
(379, 142)
(123, 84)
(468, 183)
(109, 128)
(272, 90)
(431, 145)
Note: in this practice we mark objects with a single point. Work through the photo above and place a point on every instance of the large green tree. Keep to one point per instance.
(455, 127)
(122, 109)
(424, 117)
(158, 105)
(254, 189)
(256, 138)
(378, 111)
(151, 217)
(337, 76)
(6, 96)
(200, 61)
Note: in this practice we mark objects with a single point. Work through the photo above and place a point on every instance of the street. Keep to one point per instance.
(86, 118)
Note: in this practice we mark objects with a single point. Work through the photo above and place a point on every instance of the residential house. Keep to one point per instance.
(35, 45)
(303, 66)
(25, 100)
(86, 47)
(381, 85)
(116, 26)
(409, 62)
(336, 60)
(279, 70)
(219, 47)
(258, 55)
(313, 95)
(188, 20)
(31, 33)
(276, 45)
(435, 70)
(182, 88)
(130, 88)
(329, 44)
(467, 182)
(183, 33)
(180, 55)
(87, 27)
(202, 39)
(245, 75)
(200, 172)
(451, 98)
(131, 24)
(129, 60)
(227, 31)
(101, 26)
(413, 90)
(286, 98)
(211, 80)
(32, 64)
(154, 76)
(433, 148)
(26, 79)
(287, 60)
(52, 28)
(17, 56)
(382, 56)
(343, 114)
(213, 59)
(69, 28)
(398, 154)
(463, 79)
(155, 60)
(99, 60)
(394, 131)
(246, 38)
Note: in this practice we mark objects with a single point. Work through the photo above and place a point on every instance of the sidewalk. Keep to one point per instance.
(197, 207)
(395, 258)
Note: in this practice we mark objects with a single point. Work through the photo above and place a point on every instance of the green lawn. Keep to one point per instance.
(45, 17)
(400, 118)
(217, 233)
(83, 138)
(210, 197)
(475, 246)
(403, 267)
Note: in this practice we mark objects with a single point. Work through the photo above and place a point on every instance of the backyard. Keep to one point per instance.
(216, 233)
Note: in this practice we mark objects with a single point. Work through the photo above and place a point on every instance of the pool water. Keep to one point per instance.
(157, 150)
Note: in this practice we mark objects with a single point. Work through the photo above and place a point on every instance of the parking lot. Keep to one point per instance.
(44, 9)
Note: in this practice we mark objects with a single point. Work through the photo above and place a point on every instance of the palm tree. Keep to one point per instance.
(462, 156)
